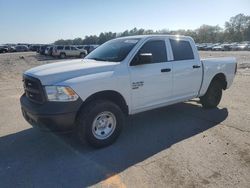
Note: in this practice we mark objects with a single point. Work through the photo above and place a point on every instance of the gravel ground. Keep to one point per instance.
(181, 145)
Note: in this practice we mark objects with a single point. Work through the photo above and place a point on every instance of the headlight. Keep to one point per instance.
(60, 93)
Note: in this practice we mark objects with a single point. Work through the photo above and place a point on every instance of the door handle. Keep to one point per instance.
(166, 70)
(196, 66)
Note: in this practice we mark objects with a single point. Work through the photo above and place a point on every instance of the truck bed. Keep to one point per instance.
(213, 66)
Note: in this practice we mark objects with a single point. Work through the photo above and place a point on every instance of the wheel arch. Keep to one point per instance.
(109, 95)
(221, 78)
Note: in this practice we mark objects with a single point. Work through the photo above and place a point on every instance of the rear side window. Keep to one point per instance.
(182, 50)
(67, 48)
(158, 50)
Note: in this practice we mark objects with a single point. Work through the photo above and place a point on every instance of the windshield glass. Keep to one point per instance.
(114, 50)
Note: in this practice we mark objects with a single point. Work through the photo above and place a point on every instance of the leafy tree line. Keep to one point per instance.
(237, 29)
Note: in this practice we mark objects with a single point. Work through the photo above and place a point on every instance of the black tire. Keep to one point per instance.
(87, 116)
(213, 95)
(62, 55)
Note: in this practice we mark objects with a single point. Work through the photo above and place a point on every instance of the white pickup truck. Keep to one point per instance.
(122, 77)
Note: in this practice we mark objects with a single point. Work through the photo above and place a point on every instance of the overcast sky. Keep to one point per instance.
(44, 21)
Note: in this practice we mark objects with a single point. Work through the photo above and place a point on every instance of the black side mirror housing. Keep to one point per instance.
(142, 58)
(145, 58)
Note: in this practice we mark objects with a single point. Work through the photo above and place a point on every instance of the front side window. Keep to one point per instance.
(114, 50)
(158, 50)
(67, 48)
(182, 50)
(73, 48)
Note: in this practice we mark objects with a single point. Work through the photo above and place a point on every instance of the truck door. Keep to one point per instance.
(151, 81)
(187, 70)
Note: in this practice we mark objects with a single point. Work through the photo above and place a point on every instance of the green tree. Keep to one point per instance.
(92, 39)
(208, 33)
(77, 41)
(103, 37)
(238, 28)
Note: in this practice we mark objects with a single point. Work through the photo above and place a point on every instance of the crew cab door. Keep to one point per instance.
(187, 69)
(151, 81)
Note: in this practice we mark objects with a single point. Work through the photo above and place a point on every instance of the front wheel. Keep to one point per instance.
(100, 123)
(213, 95)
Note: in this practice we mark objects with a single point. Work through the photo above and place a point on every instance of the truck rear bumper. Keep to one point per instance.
(50, 116)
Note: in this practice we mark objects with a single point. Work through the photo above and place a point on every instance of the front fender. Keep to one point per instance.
(88, 85)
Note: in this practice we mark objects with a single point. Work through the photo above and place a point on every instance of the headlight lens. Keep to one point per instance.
(60, 93)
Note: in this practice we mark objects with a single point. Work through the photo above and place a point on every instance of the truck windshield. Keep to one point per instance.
(114, 50)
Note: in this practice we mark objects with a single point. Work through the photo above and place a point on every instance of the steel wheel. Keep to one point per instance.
(103, 125)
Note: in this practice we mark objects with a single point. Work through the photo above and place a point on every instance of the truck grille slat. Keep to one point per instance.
(33, 89)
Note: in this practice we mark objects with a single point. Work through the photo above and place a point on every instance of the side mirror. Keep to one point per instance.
(142, 58)
(145, 58)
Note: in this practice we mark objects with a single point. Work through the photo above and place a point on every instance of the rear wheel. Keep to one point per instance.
(100, 123)
(213, 95)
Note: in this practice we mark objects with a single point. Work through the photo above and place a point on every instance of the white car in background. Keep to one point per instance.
(68, 51)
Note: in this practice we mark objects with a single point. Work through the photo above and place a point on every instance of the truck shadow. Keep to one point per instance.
(31, 158)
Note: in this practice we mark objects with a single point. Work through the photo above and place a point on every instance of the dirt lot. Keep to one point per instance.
(181, 145)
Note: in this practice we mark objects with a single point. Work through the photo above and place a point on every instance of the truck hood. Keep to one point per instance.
(53, 73)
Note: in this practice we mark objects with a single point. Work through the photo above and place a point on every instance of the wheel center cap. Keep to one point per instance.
(102, 124)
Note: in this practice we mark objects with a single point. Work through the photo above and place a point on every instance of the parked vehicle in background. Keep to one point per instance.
(80, 46)
(68, 51)
(123, 76)
(42, 49)
(201, 46)
(242, 46)
(226, 47)
(12, 48)
(24, 44)
(248, 47)
(48, 50)
(4, 49)
(209, 46)
(21, 48)
(221, 47)
(217, 48)
(234, 46)
(34, 48)
(90, 48)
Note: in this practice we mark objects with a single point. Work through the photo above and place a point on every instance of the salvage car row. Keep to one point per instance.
(13, 48)
(61, 51)
(236, 46)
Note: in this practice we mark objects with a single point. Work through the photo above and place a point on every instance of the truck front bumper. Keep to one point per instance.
(52, 116)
